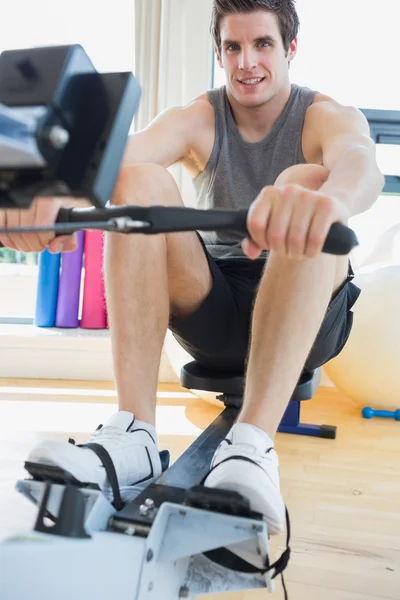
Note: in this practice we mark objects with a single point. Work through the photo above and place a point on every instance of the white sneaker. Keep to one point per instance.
(129, 445)
(246, 462)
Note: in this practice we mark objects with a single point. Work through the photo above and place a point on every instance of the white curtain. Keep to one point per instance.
(159, 62)
(173, 53)
(147, 58)
(173, 61)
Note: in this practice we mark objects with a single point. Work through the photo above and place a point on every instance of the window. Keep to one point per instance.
(106, 31)
(18, 272)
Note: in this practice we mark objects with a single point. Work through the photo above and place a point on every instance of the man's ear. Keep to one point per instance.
(292, 49)
(218, 56)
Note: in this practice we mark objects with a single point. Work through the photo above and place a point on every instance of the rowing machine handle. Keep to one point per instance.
(340, 240)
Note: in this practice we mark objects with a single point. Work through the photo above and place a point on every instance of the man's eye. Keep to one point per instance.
(233, 47)
(264, 44)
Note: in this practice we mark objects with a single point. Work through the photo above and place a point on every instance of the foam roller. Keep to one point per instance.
(47, 289)
(70, 286)
(94, 314)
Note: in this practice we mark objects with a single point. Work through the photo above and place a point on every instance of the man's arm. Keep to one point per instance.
(349, 153)
(294, 220)
(167, 139)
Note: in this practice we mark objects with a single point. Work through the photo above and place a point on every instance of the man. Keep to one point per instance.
(273, 304)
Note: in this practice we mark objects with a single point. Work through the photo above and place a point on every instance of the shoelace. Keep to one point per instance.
(232, 450)
(95, 434)
(106, 433)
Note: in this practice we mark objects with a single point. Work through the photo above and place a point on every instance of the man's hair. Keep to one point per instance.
(284, 9)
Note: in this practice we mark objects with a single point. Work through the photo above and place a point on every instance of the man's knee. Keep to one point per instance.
(146, 184)
(308, 175)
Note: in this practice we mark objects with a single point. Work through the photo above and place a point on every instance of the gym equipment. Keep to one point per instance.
(70, 280)
(47, 289)
(367, 370)
(368, 413)
(63, 126)
(231, 388)
(67, 314)
(94, 312)
(177, 539)
(221, 389)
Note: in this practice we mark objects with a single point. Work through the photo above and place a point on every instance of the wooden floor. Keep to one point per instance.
(343, 496)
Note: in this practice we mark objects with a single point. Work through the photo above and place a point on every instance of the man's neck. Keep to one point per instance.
(255, 123)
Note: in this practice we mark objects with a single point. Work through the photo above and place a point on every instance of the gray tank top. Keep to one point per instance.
(237, 170)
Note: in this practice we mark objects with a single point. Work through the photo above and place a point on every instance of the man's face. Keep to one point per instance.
(253, 56)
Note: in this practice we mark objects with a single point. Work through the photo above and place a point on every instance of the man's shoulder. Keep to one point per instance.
(200, 108)
(317, 103)
(316, 114)
(325, 106)
(324, 118)
(197, 115)
(326, 112)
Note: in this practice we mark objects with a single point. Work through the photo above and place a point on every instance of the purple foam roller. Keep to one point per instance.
(70, 286)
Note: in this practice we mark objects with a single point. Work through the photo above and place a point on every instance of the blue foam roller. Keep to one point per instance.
(47, 289)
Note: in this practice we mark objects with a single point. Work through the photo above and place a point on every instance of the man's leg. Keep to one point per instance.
(290, 305)
(148, 277)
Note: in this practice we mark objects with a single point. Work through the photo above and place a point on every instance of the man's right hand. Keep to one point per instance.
(42, 212)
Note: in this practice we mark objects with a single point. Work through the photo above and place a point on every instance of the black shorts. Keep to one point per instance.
(217, 334)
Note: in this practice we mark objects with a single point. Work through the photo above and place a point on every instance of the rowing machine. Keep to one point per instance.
(176, 539)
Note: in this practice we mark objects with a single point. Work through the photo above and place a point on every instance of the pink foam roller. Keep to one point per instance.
(94, 312)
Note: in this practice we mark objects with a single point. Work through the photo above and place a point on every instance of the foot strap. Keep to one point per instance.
(228, 559)
(108, 464)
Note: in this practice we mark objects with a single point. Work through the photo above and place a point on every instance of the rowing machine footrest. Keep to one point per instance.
(70, 519)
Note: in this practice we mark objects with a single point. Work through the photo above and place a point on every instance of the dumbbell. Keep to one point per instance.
(368, 413)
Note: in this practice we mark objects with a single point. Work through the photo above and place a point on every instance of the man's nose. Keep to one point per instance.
(247, 59)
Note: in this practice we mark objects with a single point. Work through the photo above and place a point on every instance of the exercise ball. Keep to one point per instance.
(178, 357)
(368, 368)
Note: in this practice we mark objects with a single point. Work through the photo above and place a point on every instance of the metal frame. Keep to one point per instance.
(385, 129)
(165, 542)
